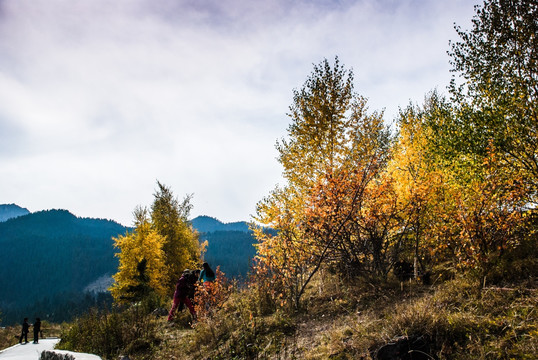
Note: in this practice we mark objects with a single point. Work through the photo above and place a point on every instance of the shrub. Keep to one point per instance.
(9, 336)
(111, 333)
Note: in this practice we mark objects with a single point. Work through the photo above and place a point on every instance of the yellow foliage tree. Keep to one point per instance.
(331, 132)
(161, 246)
(182, 249)
(417, 180)
(142, 267)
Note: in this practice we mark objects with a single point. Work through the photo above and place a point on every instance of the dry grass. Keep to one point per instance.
(9, 336)
(342, 320)
(459, 321)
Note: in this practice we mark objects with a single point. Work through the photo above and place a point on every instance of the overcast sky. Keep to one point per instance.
(99, 99)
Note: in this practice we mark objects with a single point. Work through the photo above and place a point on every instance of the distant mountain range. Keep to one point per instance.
(9, 211)
(51, 259)
(206, 224)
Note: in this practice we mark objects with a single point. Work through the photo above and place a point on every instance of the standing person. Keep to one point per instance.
(207, 275)
(24, 332)
(181, 296)
(37, 329)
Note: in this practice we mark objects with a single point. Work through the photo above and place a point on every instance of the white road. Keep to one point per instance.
(32, 351)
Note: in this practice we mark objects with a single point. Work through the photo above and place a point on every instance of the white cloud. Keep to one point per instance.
(100, 99)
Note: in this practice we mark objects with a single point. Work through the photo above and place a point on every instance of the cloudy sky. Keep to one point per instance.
(99, 99)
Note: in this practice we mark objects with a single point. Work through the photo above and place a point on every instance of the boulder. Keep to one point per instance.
(406, 348)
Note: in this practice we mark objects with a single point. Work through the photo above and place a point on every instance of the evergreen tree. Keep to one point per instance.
(181, 246)
(161, 246)
(142, 267)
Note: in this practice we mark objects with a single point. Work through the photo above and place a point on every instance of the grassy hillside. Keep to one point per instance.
(456, 319)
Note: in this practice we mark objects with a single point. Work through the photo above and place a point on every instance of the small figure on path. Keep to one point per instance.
(181, 295)
(37, 330)
(24, 332)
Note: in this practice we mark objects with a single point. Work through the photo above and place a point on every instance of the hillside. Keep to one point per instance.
(352, 319)
(230, 245)
(49, 257)
(52, 258)
(206, 224)
(231, 250)
(8, 211)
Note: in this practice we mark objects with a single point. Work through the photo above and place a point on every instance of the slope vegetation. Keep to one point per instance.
(48, 258)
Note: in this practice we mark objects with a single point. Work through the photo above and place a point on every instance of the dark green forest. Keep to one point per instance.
(206, 224)
(230, 245)
(232, 250)
(48, 258)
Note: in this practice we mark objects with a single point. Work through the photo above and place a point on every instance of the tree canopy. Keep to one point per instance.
(162, 245)
(455, 183)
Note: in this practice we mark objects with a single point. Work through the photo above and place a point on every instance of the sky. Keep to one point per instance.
(101, 99)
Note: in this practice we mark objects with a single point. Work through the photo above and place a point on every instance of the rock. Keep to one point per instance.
(160, 312)
(406, 348)
(51, 355)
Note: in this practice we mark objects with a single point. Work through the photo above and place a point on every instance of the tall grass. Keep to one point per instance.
(9, 336)
(130, 331)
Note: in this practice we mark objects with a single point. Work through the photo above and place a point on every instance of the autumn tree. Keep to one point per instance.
(330, 133)
(465, 208)
(181, 247)
(417, 168)
(142, 269)
(489, 212)
(483, 145)
(153, 255)
(352, 215)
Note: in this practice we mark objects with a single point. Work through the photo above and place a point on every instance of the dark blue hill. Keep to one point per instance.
(206, 224)
(8, 211)
(230, 245)
(49, 257)
(52, 252)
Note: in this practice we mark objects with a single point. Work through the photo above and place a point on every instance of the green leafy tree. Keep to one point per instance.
(496, 92)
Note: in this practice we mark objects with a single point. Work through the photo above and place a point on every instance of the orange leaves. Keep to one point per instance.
(479, 219)
(210, 296)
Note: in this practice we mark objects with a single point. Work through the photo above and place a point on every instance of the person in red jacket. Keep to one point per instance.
(181, 295)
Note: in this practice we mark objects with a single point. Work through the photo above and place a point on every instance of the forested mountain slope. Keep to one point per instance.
(49, 258)
(206, 224)
(53, 252)
(8, 211)
(230, 245)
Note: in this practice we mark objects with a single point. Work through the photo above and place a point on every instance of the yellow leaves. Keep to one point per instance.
(143, 244)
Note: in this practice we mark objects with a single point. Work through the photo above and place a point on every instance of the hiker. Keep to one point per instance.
(181, 295)
(37, 329)
(207, 276)
(24, 332)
